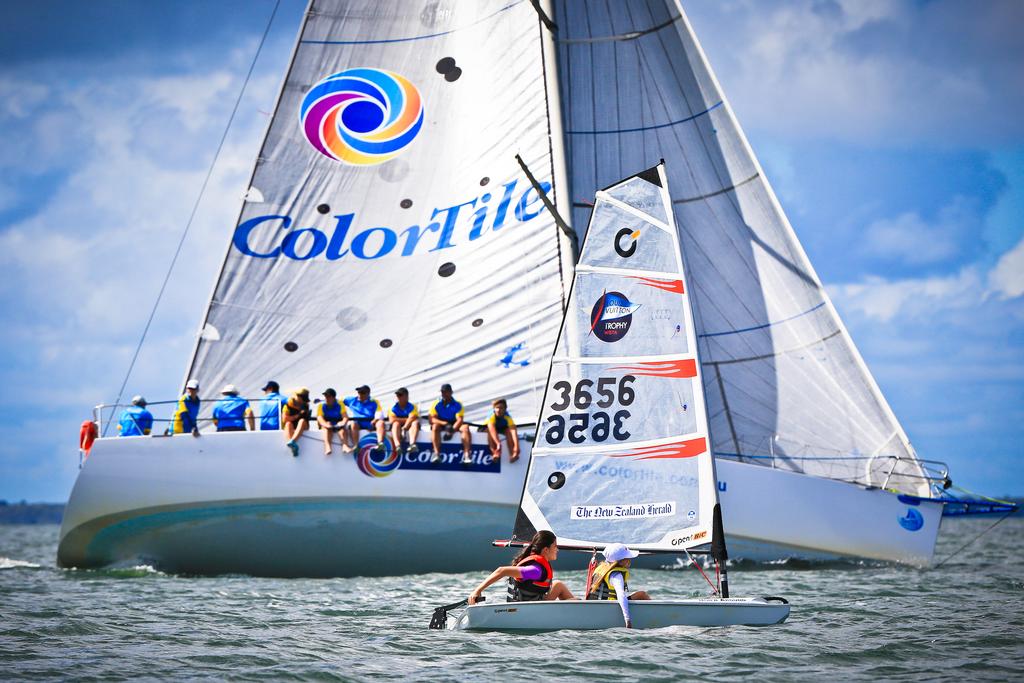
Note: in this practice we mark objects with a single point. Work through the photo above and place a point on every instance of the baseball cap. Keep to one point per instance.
(330, 392)
(272, 385)
(362, 389)
(402, 391)
(617, 551)
(446, 387)
(229, 389)
(192, 384)
(302, 391)
(138, 401)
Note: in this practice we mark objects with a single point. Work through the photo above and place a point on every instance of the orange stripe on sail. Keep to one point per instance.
(675, 286)
(674, 368)
(678, 449)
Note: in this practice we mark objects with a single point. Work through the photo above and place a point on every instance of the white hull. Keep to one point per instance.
(600, 614)
(239, 503)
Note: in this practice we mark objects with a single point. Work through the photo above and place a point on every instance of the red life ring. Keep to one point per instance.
(86, 435)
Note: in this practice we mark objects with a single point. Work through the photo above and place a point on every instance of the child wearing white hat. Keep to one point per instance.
(611, 579)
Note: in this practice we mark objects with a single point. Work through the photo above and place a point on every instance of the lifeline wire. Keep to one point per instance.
(993, 526)
(195, 208)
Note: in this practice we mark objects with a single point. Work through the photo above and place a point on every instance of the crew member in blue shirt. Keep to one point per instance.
(271, 405)
(365, 412)
(331, 418)
(446, 416)
(135, 420)
(186, 414)
(232, 412)
(405, 419)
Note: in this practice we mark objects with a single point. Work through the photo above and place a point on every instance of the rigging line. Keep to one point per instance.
(544, 18)
(631, 35)
(195, 207)
(709, 195)
(770, 355)
(616, 131)
(411, 38)
(990, 528)
(761, 327)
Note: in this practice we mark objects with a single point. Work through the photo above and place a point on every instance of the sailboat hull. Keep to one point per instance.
(601, 614)
(239, 503)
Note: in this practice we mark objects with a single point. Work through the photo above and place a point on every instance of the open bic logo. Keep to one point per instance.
(361, 117)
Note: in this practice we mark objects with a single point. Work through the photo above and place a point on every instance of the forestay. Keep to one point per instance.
(782, 376)
(389, 237)
(622, 453)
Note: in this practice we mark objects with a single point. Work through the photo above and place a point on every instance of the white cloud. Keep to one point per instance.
(910, 239)
(1007, 278)
(884, 72)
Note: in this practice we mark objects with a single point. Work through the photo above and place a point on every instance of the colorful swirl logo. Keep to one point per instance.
(361, 116)
(376, 464)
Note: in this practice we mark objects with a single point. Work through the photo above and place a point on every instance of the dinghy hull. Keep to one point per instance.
(557, 615)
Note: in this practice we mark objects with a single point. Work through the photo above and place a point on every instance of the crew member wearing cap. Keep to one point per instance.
(611, 579)
(499, 424)
(446, 415)
(135, 420)
(405, 419)
(295, 415)
(331, 417)
(186, 414)
(365, 412)
(270, 406)
(231, 412)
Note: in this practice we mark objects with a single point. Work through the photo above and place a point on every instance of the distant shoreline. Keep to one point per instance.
(30, 513)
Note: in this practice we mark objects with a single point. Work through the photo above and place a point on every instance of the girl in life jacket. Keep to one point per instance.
(611, 579)
(530, 576)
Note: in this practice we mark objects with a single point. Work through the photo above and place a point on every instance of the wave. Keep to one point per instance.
(10, 563)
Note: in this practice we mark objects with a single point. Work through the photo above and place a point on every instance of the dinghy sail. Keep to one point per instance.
(622, 452)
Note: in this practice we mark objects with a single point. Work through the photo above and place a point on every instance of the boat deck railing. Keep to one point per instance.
(884, 467)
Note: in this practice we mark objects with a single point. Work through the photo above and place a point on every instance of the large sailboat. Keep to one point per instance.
(389, 237)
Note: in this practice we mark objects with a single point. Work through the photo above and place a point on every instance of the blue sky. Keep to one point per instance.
(891, 131)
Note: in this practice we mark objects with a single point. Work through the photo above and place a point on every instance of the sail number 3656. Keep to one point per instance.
(600, 424)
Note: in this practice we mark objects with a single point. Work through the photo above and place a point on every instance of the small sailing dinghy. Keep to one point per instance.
(621, 454)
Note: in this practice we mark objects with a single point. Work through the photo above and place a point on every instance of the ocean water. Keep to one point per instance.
(850, 621)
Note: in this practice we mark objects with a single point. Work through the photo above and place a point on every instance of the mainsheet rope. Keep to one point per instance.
(195, 208)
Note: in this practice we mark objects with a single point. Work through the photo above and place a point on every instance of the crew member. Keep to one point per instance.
(364, 412)
(330, 416)
(231, 412)
(611, 579)
(405, 420)
(186, 414)
(446, 415)
(271, 405)
(530, 576)
(135, 419)
(295, 415)
(499, 424)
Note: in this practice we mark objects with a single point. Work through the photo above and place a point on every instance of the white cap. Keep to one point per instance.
(617, 551)
(229, 389)
(192, 384)
(138, 401)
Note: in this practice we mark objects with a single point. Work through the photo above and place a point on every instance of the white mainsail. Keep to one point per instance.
(784, 382)
(621, 453)
(389, 237)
